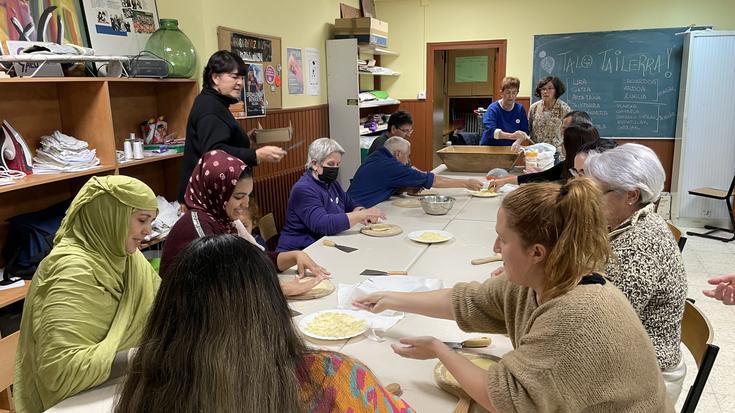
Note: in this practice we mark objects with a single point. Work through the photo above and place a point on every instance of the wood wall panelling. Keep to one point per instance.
(273, 181)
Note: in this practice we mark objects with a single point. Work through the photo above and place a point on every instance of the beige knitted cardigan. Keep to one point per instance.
(585, 351)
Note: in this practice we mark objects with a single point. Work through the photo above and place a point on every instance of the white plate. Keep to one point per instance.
(305, 320)
(484, 194)
(414, 236)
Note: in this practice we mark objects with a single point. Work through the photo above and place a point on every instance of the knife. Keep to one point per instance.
(330, 243)
(378, 272)
(294, 146)
(477, 342)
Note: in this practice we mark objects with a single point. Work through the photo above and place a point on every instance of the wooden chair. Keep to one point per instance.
(714, 193)
(8, 345)
(697, 335)
(676, 232)
(267, 227)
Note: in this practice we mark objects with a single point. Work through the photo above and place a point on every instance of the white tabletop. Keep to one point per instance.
(471, 221)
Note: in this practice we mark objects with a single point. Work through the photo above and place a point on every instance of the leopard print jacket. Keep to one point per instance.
(648, 268)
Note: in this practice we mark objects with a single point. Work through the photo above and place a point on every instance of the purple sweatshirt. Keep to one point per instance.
(314, 209)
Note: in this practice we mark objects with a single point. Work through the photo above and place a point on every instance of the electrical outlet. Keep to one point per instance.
(421, 94)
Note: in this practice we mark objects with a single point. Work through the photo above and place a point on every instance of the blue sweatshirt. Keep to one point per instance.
(381, 175)
(506, 120)
(314, 209)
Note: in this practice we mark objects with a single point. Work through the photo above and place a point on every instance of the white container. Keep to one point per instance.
(138, 149)
(128, 149)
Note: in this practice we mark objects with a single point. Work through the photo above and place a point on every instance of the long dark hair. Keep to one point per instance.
(576, 135)
(219, 338)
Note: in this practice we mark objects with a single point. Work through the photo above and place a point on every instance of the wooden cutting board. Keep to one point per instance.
(447, 382)
(407, 203)
(424, 192)
(385, 230)
(322, 289)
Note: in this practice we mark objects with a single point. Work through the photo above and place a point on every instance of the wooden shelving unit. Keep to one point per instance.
(345, 111)
(101, 111)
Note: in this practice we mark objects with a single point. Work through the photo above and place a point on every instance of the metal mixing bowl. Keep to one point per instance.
(437, 204)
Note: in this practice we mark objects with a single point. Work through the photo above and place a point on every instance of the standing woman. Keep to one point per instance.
(545, 116)
(216, 198)
(505, 120)
(211, 124)
(89, 300)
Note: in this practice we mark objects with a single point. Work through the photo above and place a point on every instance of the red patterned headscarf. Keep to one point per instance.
(211, 185)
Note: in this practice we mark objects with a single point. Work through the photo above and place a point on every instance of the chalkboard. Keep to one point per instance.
(628, 81)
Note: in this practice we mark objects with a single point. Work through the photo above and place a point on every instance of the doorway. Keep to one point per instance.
(460, 76)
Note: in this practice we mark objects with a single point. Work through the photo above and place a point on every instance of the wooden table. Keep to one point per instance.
(471, 221)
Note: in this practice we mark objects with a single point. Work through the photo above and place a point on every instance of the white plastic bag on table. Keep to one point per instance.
(544, 158)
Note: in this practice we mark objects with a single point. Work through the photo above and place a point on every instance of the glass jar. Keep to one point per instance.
(170, 43)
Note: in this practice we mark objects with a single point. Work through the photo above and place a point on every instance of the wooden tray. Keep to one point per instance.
(447, 383)
(407, 203)
(471, 158)
(322, 289)
(392, 230)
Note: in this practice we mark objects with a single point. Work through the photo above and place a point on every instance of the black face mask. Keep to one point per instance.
(329, 174)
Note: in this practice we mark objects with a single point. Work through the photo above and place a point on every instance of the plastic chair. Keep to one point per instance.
(714, 193)
(697, 335)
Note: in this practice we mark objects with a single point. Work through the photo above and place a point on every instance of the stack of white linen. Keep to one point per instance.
(63, 153)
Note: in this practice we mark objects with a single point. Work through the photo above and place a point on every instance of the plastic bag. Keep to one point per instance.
(539, 157)
(497, 173)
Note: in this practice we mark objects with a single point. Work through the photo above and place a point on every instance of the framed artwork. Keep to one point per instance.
(120, 27)
(58, 21)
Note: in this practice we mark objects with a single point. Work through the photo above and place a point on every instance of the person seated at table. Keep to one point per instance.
(220, 339)
(575, 136)
(572, 331)
(575, 116)
(317, 205)
(400, 124)
(89, 299)
(647, 264)
(597, 146)
(387, 170)
(217, 195)
(505, 120)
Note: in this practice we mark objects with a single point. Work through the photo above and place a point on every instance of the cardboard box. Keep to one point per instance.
(365, 29)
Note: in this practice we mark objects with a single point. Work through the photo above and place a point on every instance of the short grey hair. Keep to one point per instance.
(396, 143)
(321, 148)
(629, 167)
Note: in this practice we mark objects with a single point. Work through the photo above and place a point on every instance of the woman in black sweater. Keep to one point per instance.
(576, 135)
(211, 124)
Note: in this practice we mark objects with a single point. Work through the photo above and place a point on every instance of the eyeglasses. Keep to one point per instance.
(547, 88)
(575, 173)
(408, 131)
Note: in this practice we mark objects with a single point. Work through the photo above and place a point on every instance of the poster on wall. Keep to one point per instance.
(43, 20)
(120, 27)
(313, 72)
(254, 96)
(295, 72)
(252, 49)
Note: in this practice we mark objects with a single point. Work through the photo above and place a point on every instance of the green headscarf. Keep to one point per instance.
(89, 298)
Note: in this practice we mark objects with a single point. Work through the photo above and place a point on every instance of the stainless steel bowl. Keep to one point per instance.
(437, 204)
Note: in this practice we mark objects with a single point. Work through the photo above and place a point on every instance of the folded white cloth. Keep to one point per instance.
(63, 153)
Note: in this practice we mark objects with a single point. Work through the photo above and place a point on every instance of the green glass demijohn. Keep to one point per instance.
(170, 43)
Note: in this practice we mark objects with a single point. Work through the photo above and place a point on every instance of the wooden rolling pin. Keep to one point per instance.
(486, 260)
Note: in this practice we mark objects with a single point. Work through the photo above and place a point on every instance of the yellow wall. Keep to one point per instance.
(412, 25)
(298, 23)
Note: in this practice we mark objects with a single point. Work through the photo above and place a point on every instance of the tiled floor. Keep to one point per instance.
(703, 259)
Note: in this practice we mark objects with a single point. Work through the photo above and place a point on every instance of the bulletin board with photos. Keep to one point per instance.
(264, 74)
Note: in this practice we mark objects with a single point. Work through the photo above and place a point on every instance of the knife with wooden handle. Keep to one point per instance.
(486, 260)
